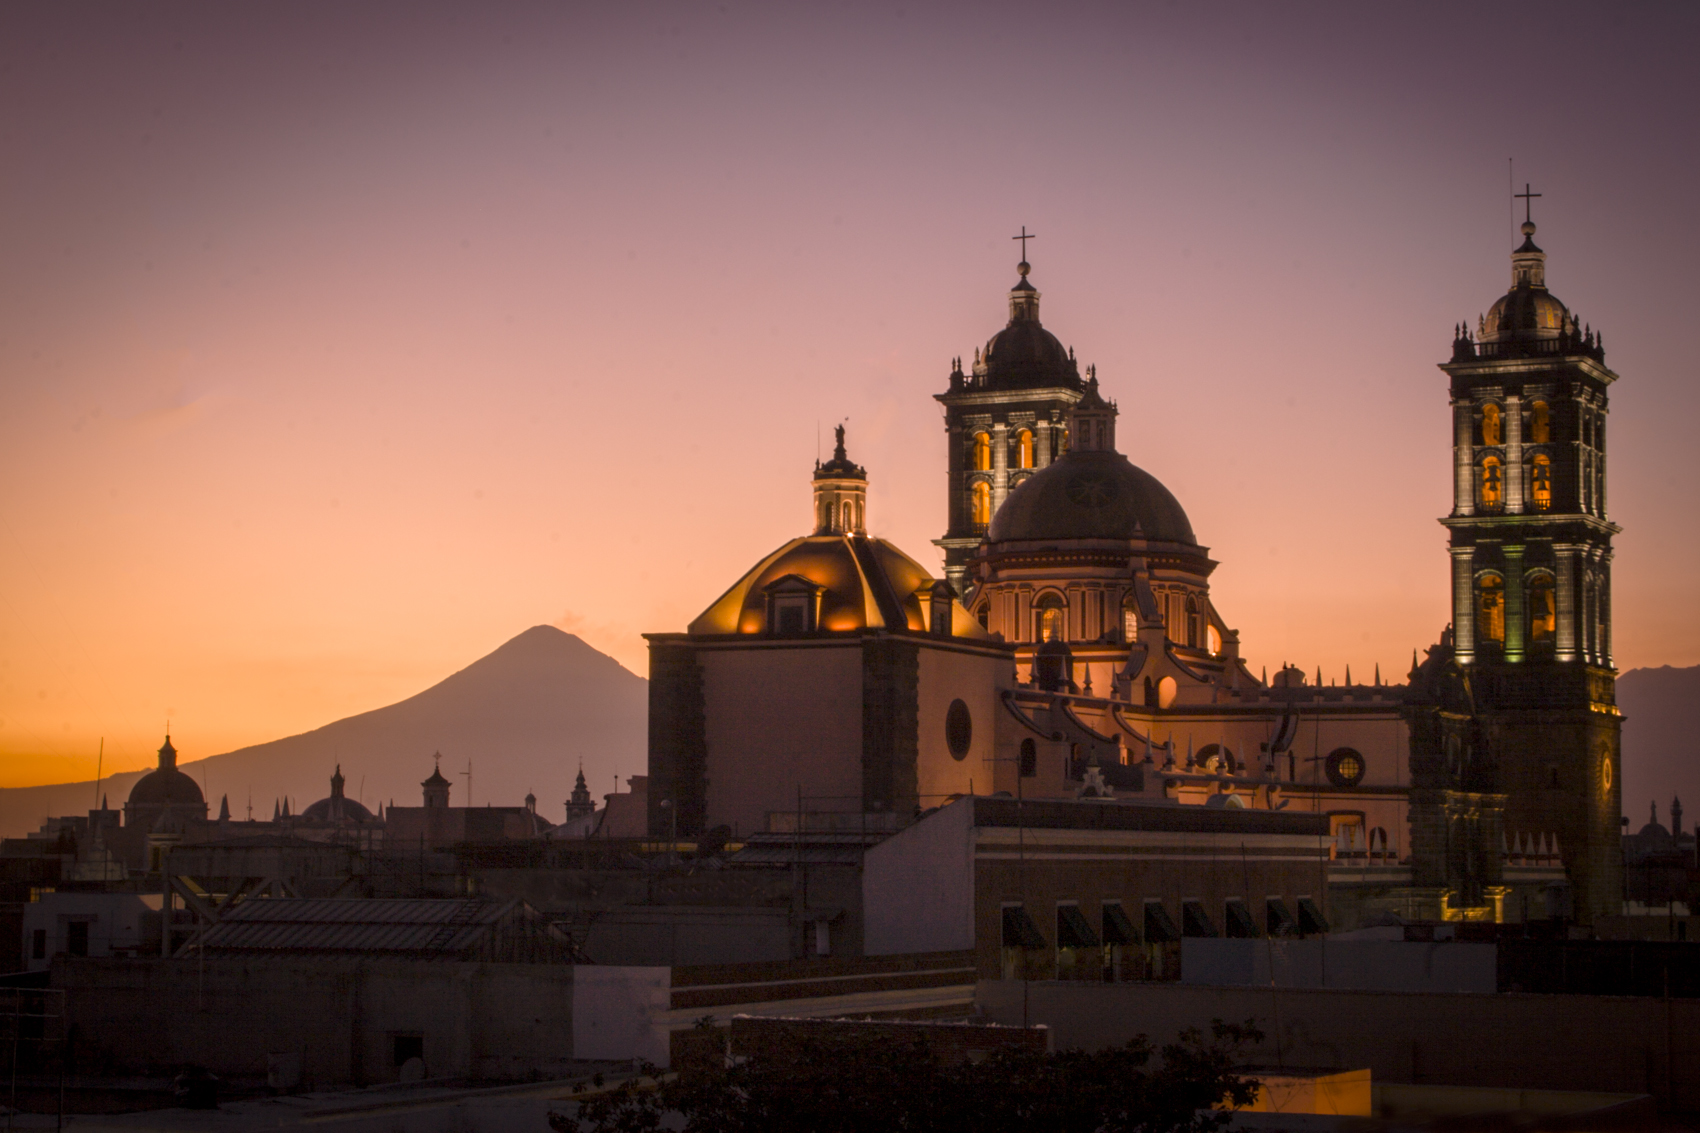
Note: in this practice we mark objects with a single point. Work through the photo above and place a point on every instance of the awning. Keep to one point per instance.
(1019, 931)
(1241, 926)
(1159, 926)
(1310, 917)
(1195, 921)
(1118, 929)
(1074, 930)
(1277, 921)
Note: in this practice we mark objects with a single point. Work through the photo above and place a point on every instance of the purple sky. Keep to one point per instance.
(340, 343)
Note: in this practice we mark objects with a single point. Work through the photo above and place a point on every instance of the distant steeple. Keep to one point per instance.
(224, 809)
(580, 804)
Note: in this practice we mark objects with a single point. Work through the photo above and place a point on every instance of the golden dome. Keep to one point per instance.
(857, 583)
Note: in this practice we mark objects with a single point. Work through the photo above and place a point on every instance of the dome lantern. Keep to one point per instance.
(841, 494)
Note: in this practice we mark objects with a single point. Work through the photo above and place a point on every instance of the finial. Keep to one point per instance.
(838, 450)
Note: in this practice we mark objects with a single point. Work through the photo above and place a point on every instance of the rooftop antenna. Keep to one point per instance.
(99, 763)
(468, 774)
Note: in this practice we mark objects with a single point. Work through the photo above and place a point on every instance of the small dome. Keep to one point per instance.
(1024, 355)
(337, 807)
(1525, 312)
(863, 583)
(1091, 495)
(167, 786)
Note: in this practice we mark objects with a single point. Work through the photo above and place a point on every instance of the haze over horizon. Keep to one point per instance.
(340, 345)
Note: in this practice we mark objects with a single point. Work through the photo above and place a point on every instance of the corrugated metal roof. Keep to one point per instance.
(355, 925)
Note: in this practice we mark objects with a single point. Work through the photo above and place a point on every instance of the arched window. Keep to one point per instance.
(1192, 621)
(1543, 610)
(1493, 482)
(1540, 423)
(982, 452)
(849, 517)
(1540, 482)
(982, 500)
(1490, 608)
(1062, 441)
(1213, 640)
(1130, 618)
(1050, 619)
(1491, 431)
(1024, 449)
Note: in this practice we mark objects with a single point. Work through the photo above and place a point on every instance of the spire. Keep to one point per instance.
(336, 782)
(224, 809)
(167, 754)
(276, 813)
(1348, 675)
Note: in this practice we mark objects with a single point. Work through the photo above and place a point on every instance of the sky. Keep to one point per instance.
(341, 343)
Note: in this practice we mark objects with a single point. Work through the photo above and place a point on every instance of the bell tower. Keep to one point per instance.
(1531, 551)
(1005, 418)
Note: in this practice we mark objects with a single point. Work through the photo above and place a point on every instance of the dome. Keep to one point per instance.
(1525, 312)
(1024, 355)
(167, 786)
(328, 810)
(861, 583)
(1091, 495)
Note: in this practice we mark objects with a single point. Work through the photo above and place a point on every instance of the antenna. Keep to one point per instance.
(99, 762)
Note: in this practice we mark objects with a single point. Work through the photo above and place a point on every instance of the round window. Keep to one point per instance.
(1345, 767)
(1605, 772)
(958, 729)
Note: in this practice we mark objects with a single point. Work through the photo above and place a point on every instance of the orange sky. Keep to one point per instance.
(337, 347)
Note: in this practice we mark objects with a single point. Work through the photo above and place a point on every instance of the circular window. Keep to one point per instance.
(1345, 767)
(1605, 771)
(958, 729)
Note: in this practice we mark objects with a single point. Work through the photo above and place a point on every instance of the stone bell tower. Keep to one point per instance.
(1006, 418)
(1531, 550)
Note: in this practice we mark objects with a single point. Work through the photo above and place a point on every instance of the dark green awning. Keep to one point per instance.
(1159, 926)
(1310, 917)
(1019, 931)
(1195, 921)
(1277, 921)
(1241, 925)
(1074, 930)
(1118, 929)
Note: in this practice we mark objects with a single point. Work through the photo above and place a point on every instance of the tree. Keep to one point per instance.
(839, 1082)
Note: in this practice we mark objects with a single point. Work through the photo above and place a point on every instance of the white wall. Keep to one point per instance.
(620, 1013)
(114, 920)
(977, 680)
(918, 886)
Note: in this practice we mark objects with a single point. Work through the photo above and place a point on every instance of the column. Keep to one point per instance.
(1564, 648)
(1463, 459)
(1513, 462)
(1000, 464)
(1605, 610)
(1514, 603)
(1463, 605)
(1041, 443)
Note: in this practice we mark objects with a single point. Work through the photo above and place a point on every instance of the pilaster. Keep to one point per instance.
(1514, 603)
(1000, 464)
(1463, 604)
(1513, 456)
(1564, 572)
(1463, 459)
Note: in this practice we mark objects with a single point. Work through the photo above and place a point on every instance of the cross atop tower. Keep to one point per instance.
(1525, 196)
(1024, 237)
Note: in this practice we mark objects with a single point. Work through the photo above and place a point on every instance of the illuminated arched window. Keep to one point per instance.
(1540, 423)
(982, 452)
(1050, 619)
(1024, 449)
(1493, 482)
(1540, 482)
(1130, 618)
(1491, 432)
(1490, 608)
(1192, 621)
(1062, 441)
(982, 497)
(1543, 608)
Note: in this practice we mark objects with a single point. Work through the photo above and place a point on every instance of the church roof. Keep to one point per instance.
(864, 584)
(1091, 495)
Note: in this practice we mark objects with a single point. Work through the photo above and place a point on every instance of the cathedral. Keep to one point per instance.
(1072, 649)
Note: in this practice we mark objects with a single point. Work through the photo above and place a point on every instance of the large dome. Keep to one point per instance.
(167, 786)
(1091, 495)
(1024, 355)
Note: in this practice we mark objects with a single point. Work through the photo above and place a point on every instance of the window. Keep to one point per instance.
(1493, 482)
(980, 497)
(982, 459)
(1029, 758)
(1348, 832)
(1062, 441)
(1192, 621)
(1130, 619)
(958, 730)
(1490, 608)
(1344, 767)
(1050, 619)
(1024, 449)
(984, 615)
(77, 938)
(1277, 921)
(1241, 924)
(38, 944)
(1020, 935)
(1076, 943)
(1490, 424)
(1540, 423)
(1119, 936)
(1543, 609)
(1311, 920)
(1540, 482)
(1195, 921)
(1378, 842)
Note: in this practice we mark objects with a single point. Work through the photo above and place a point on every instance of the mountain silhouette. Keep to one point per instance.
(1661, 750)
(524, 715)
